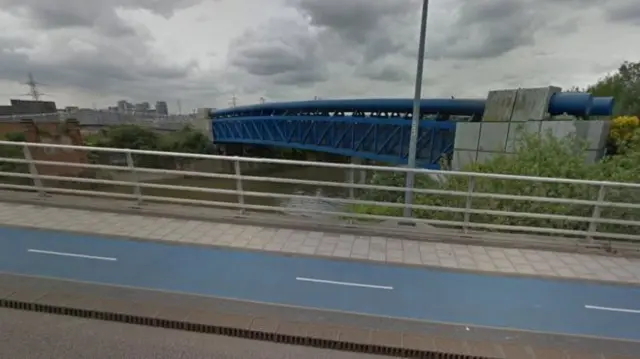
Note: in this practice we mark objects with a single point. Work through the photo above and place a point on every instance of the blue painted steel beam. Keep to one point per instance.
(378, 139)
(323, 125)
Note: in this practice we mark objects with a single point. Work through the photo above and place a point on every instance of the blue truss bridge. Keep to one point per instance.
(373, 129)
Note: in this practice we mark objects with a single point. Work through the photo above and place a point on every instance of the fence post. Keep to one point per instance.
(137, 191)
(33, 170)
(597, 209)
(351, 179)
(239, 185)
(467, 207)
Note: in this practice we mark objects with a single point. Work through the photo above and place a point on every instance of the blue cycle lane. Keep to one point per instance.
(568, 307)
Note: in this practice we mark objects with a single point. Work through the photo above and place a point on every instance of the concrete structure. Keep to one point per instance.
(20, 109)
(162, 108)
(203, 121)
(142, 107)
(67, 133)
(378, 129)
(124, 106)
(331, 285)
(511, 113)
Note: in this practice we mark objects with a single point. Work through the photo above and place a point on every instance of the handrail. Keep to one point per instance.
(325, 164)
(584, 223)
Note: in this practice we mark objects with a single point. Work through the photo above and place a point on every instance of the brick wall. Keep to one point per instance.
(51, 132)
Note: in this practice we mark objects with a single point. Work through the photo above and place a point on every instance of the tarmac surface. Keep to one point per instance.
(530, 304)
(29, 335)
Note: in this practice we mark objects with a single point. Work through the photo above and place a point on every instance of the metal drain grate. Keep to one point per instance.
(232, 332)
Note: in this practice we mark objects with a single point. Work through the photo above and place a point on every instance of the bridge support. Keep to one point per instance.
(203, 121)
(510, 113)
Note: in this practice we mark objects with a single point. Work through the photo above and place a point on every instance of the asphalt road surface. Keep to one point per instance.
(29, 335)
(544, 305)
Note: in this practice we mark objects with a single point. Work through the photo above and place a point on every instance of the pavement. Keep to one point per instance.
(474, 258)
(42, 336)
(419, 293)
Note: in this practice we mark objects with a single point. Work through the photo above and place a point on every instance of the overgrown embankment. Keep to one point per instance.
(543, 156)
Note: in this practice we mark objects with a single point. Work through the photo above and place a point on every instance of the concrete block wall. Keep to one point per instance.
(203, 122)
(508, 114)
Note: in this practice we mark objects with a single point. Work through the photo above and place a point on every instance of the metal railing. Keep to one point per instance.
(467, 201)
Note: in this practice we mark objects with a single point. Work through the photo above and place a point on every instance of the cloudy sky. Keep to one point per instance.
(202, 52)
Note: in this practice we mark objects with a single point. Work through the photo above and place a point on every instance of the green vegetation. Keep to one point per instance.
(186, 140)
(624, 86)
(544, 156)
(13, 152)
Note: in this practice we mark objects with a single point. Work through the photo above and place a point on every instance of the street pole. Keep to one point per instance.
(415, 121)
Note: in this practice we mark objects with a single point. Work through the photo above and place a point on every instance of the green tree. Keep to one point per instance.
(186, 140)
(624, 86)
(130, 136)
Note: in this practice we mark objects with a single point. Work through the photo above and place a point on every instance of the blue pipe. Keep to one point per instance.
(572, 103)
(461, 107)
(602, 106)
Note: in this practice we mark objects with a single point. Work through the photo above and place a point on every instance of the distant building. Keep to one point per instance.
(123, 106)
(161, 108)
(142, 107)
(36, 110)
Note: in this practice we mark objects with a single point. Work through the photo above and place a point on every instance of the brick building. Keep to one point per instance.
(25, 117)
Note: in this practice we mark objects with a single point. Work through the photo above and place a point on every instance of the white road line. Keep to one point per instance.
(610, 309)
(348, 284)
(75, 255)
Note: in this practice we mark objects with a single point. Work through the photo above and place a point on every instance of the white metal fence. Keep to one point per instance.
(480, 202)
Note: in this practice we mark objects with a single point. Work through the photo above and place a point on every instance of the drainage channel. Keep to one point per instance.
(234, 332)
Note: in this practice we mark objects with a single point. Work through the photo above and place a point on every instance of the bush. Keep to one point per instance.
(13, 152)
(622, 130)
(543, 156)
(186, 140)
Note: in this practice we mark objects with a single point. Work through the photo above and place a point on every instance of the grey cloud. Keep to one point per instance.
(628, 11)
(491, 28)
(375, 29)
(117, 59)
(110, 66)
(385, 73)
(353, 19)
(282, 50)
(58, 14)
(370, 35)
(101, 72)
(378, 27)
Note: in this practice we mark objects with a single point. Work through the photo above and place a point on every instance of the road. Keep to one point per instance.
(555, 306)
(42, 336)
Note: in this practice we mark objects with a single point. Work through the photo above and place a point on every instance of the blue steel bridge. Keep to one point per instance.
(374, 129)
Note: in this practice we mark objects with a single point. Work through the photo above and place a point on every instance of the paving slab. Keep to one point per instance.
(528, 262)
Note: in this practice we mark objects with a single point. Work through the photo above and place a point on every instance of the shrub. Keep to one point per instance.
(622, 130)
(13, 152)
(543, 156)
